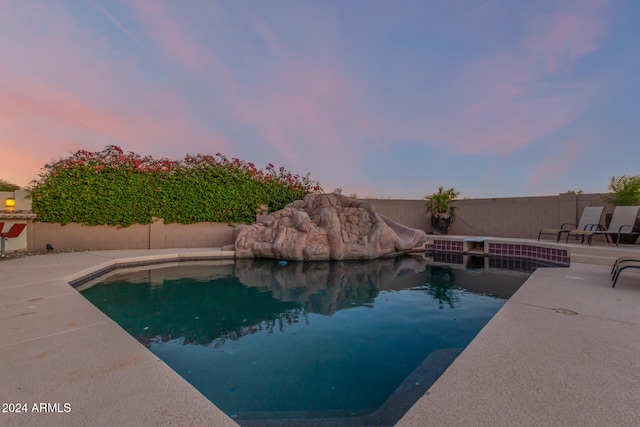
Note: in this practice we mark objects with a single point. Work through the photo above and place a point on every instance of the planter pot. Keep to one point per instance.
(440, 224)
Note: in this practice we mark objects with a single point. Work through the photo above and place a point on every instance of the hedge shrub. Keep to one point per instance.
(114, 188)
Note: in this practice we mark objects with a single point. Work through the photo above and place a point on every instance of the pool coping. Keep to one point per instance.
(60, 349)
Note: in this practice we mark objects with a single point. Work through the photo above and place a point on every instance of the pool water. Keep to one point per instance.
(323, 340)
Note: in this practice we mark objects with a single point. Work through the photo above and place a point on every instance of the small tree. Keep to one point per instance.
(7, 186)
(626, 190)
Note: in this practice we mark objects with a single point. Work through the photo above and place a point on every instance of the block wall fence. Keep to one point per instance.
(519, 217)
(156, 235)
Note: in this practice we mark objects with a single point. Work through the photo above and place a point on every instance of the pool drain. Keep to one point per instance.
(564, 311)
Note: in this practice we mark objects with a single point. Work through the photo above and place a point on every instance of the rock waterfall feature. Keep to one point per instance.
(325, 227)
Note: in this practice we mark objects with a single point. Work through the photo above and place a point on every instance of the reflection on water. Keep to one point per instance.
(442, 286)
(324, 287)
(254, 295)
(320, 339)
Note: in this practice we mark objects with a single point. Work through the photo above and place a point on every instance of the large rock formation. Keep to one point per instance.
(325, 227)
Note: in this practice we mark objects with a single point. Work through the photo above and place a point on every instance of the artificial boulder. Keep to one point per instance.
(325, 227)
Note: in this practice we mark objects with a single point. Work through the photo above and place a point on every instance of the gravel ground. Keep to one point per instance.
(21, 254)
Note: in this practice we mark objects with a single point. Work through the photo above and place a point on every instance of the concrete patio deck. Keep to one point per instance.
(534, 363)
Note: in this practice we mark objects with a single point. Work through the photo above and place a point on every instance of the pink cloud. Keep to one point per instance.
(48, 119)
(60, 91)
(497, 104)
(503, 106)
(164, 25)
(556, 165)
(115, 22)
(304, 105)
(61, 83)
(301, 111)
(566, 36)
(505, 101)
(164, 29)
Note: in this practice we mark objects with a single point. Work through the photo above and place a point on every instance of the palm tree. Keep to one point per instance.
(440, 202)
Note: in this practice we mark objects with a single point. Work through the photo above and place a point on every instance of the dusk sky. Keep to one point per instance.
(392, 99)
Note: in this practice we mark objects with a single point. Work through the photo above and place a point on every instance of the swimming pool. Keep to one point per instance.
(349, 343)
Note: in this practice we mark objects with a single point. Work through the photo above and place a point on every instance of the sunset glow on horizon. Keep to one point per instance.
(381, 99)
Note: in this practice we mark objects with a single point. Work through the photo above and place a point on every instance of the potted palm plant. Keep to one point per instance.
(626, 192)
(439, 207)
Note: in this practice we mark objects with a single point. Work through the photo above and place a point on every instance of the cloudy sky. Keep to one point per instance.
(496, 98)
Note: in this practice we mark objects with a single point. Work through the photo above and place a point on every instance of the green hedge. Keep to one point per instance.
(114, 188)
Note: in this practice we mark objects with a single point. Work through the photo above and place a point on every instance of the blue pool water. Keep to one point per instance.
(325, 340)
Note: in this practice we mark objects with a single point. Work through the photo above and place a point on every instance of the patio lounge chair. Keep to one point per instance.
(14, 231)
(622, 222)
(590, 217)
(622, 263)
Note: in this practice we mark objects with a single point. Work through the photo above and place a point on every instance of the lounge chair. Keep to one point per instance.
(14, 231)
(622, 263)
(590, 217)
(622, 222)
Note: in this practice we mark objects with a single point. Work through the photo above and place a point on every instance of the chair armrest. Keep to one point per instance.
(632, 229)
